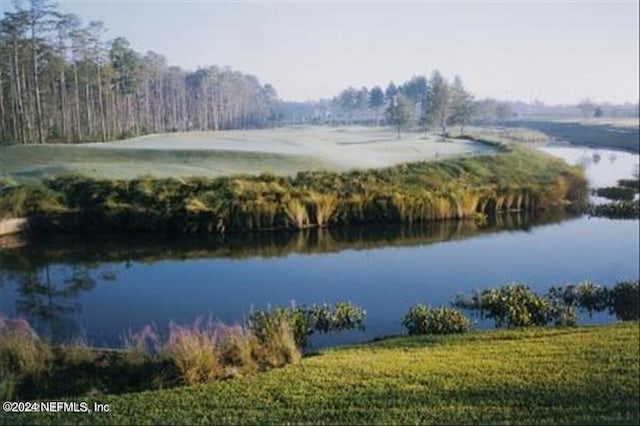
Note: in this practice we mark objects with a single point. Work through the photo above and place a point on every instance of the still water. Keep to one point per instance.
(99, 289)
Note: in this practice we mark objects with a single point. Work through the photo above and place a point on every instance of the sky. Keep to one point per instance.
(556, 52)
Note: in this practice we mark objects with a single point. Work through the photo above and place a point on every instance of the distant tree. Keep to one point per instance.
(438, 103)
(484, 111)
(390, 92)
(415, 89)
(348, 101)
(586, 107)
(40, 14)
(376, 102)
(597, 112)
(400, 112)
(60, 82)
(462, 105)
(362, 101)
(504, 111)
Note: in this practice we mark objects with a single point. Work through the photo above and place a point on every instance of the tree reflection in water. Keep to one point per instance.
(51, 275)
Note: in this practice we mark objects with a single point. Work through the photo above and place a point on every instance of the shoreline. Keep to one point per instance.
(518, 179)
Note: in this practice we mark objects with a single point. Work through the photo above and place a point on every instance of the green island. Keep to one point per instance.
(516, 179)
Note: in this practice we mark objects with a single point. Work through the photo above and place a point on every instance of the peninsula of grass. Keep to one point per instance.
(583, 375)
(518, 179)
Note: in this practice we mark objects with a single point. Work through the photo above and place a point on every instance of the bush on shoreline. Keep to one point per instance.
(515, 305)
(617, 210)
(423, 320)
(617, 193)
(209, 351)
(201, 352)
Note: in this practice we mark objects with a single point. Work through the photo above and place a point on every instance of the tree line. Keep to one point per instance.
(61, 81)
(432, 103)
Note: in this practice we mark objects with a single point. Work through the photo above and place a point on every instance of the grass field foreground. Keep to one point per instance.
(582, 375)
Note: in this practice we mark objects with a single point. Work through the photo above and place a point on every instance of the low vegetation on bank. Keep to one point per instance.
(31, 367)
(583, 375)
(618, 193)
(617, 210)
(517, 180)
(625, 205)
(202, 352)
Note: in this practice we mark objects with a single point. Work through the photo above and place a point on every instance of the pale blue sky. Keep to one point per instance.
(558, 52)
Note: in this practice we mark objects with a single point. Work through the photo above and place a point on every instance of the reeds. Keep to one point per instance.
(517, 180)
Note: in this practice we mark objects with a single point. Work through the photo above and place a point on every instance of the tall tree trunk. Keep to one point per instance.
(20, 125)
(76, 91)
(103, 130)
(88, 107)
(63, 104)
(36, 86)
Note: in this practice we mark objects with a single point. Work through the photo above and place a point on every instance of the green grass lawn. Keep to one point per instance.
(282, 151)
(584, 375)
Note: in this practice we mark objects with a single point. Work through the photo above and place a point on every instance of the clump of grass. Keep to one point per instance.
(324, 206)
(23, 355)
(276, 341)
(28, 200)
(192, 354)
(296, 212)
(76, 353)
(238, 350)
(141, 347)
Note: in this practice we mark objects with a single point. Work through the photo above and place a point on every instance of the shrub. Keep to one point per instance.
(76, 353)
(423, 320)
(512, 305)
(586, 296)
(25, 200)
(192, 354)
(276, 342)
(305, 321)
(617, 210)
(238, 350)
(23, 355)
(624, 299)
(616, 193)
(142, 346)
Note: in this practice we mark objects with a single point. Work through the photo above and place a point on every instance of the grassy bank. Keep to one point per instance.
(519, 179)
(579, 375)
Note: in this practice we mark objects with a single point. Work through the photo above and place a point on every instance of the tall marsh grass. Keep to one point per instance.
(23, 355)
(519, 179)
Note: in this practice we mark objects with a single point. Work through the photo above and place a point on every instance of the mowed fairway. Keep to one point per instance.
(584, 375)
(281, 151)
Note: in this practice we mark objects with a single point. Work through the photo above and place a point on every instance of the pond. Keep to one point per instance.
(99, 289)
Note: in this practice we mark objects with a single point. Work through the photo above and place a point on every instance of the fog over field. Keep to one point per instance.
(284, 150)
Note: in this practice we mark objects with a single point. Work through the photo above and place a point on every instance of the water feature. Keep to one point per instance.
(99, 288)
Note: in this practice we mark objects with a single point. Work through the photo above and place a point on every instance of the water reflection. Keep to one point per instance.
(44, 280)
